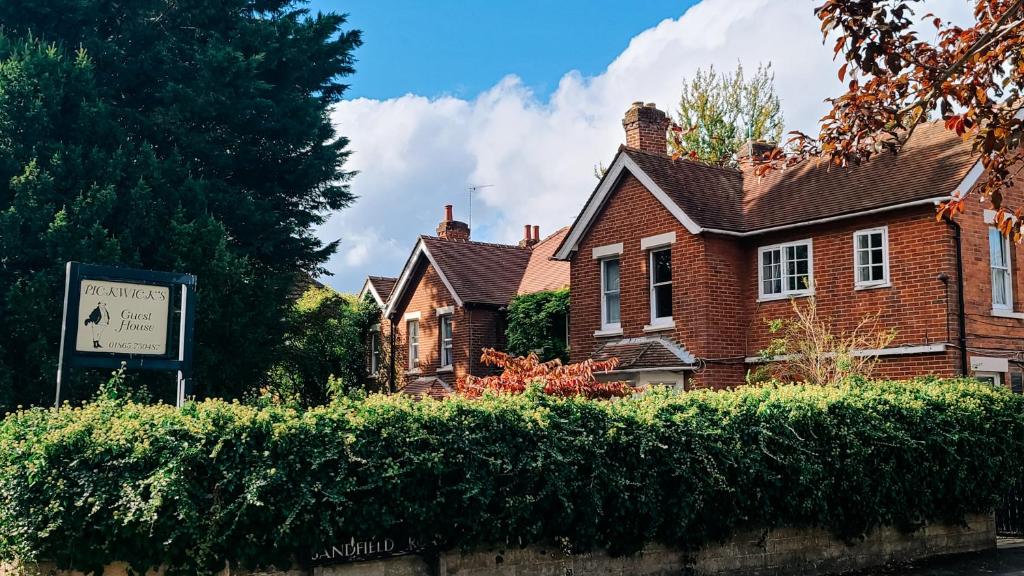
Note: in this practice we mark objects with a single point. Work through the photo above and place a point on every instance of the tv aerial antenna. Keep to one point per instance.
(472, 189)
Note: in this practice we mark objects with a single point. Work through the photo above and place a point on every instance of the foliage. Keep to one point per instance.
(719, 112)
(214, 481)
(520, 373)
(972, 75)
(537, 323)
(808, 348)
(171, 135)
(325, 352)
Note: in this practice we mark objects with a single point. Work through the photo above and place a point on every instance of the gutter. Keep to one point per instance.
(960, 313)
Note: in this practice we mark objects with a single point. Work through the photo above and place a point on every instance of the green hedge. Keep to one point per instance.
(260, 486)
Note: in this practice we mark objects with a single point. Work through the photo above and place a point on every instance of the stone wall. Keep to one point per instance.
(777, 552)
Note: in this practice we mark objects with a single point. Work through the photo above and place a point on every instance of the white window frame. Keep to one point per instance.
(655, 319)
(605, 325)
(1007, 270)
(447, 344)
(808, 291)
(374, 346)
(414, 343)
(885, 281)
(997, 378)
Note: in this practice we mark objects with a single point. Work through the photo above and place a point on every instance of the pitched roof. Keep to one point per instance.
(427, 387)
(931, 165)
(479, 272)
(543, 273)
(378, 286)
(644, 354)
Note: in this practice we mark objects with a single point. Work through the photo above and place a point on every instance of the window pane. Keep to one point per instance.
(877, 273)
(999, 284)
(662, 264)
(996, 247)
(863, 258)
(771, 272)
(612, 308)
(876, 240)
(611, 275)
(863, 242)
(663, 301)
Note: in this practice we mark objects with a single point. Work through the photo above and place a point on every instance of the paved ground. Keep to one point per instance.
(1006, 560)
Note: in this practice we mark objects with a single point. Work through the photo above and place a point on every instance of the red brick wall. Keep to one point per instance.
(988, 335)
(717, 316)
(915, 305)
(472, 329)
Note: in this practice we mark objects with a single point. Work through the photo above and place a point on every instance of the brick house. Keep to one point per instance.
(450, 299)
(379, 289)
(677, 265)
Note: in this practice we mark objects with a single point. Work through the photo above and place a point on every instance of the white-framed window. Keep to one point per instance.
(412, 331)
(374, 350)
(871, 257)
(785, 270)
(660, 264)
(610, 301)
(446, 339)
(1002, 276)
(993, 378)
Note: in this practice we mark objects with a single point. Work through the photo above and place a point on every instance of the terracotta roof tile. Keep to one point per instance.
(543, 273)
(383, 285)
(931, 164)
(480, 272)
(637, 353)
(431, 387)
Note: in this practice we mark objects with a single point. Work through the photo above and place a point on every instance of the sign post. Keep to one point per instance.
(115, 316)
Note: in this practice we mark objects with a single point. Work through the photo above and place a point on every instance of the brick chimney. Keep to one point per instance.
(530, 236)
(755, 149)
(646, 128)
(451, 229)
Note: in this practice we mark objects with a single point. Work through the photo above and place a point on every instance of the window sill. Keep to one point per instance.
(1008, 314)
(608, 332)
(660, 326)
(872, 286)
(448, 368)
(775, 297)
(413, 372)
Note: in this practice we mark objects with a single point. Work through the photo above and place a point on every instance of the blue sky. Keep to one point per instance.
(461, 48)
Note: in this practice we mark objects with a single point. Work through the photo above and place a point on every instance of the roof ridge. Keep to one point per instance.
(476, 242)
(697, 163)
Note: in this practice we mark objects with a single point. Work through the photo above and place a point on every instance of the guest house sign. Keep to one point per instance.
(124, 318)
(139, 318)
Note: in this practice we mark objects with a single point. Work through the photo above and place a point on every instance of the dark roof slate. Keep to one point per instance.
(931, 164)
(480, 272)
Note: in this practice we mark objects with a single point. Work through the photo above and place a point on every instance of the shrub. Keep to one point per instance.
(216, 481)
(519, 373)
(537, 323)
(325, 351)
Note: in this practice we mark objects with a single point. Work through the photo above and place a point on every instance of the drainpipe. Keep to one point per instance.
(391, 361)
(961, 314)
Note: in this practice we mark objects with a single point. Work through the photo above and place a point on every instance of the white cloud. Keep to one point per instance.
(416, 154)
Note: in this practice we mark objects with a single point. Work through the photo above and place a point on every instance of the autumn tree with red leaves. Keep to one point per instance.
(557, 379)
(972, 76)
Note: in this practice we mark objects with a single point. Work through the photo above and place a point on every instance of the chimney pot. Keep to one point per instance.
(526, 231)
(450, 228)
(536, 233)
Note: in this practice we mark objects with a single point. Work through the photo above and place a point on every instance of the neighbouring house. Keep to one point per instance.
(677, 265)
(379, 289)
(449, 303)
